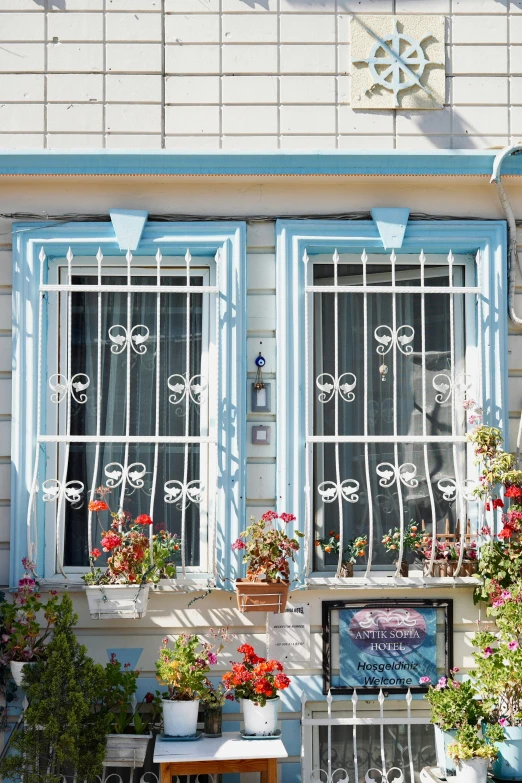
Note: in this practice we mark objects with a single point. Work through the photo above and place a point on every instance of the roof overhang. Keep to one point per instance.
(456, 163)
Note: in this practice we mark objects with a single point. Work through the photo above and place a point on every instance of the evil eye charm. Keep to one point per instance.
(260, 361)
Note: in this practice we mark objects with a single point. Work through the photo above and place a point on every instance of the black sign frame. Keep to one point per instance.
(414, 603)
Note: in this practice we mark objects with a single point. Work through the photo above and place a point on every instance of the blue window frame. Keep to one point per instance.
(42, 305)
(483, 333)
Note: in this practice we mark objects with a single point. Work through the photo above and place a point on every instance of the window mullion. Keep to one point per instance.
(99, 259)
(364, 259)
(398, 478)
(422, 260)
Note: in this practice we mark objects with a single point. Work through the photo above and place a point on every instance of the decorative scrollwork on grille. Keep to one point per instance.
(133, 474)
(384, 776)
(402, 337)
(63, 387)
(329, 385)
(445, 386)
(320, 775)
(184, 494)
(71, 491)
(196, 388)
(123, 338)
(389, 474)
(347, 489)
(451, 489)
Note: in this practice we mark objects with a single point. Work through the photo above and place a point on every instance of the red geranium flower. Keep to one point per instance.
(143, 519)
(98, 505)
(95, 553)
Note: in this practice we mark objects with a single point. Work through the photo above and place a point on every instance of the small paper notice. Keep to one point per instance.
(261, 398)
(289, 634)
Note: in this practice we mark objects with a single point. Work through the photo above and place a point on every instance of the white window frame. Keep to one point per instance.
(294, 238)
(33, 281)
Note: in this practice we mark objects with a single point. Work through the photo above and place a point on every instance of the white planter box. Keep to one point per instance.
(126, 750)
(112, 602)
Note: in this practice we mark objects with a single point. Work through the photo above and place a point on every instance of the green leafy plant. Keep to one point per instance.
(267, 548)
(214, 697)
(7, 685)
(183, 668)
(411, 537)
(64, 731)
(453, 703)
(470, 745)
(356, 547)
(119, 701)
(23, 637)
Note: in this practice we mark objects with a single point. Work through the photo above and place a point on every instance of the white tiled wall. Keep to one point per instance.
(238, 74)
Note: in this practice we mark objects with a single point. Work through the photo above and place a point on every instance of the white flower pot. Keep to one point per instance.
(472, 771)
(126, 747)
(260, 721)
(17, 670)
(180, 718)
(112, 602)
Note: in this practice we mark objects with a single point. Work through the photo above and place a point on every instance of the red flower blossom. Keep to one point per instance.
(513, 492)
(95, 553)
(506, 532)
(498, 503)
(281, 681)
(110, 542)
(238, 544)
(143, 519)
(98, 505)
(287, 517)
(269, 516)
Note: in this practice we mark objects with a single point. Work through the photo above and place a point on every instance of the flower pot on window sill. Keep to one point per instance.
(17, 670)
(113, 602)
(261, 596)
(449, 568)
(346, 569)
(123, 749)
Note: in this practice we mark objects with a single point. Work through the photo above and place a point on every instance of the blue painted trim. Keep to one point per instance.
(173, 239)
(128, 225)
(391, 224)
(316, 236)
(219, 162)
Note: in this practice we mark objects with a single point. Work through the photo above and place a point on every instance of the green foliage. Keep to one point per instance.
(184, 667)
(117, 700)
(454, 704)
(7, 685)
(24, 638)
(64, 730)
(267, 548)
(500, 565)
(470, 745)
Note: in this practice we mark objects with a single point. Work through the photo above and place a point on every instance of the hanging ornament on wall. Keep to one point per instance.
(260, 363)
(383, 369)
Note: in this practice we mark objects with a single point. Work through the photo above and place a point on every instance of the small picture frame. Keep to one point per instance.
(261, 399)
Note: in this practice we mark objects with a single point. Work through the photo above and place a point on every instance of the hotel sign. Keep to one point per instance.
(384, 644)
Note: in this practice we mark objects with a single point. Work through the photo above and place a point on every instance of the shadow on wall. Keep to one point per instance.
(51, 5)
(354, 6)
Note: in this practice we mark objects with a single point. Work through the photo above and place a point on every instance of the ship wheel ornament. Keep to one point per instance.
(397, 62)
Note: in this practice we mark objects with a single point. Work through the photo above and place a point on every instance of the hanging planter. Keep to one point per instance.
(113, 602)
(17, 670)
(126, 748)
(261, 596)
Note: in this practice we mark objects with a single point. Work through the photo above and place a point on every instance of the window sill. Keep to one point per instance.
(195, 583)
(317, 581)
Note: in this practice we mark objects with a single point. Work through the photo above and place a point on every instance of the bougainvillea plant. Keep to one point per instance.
(355, 548)
(445, 550)
(267, 549)
(411, 537)
(127, 543)
(183, 668)
(23, 637)
(255, 678)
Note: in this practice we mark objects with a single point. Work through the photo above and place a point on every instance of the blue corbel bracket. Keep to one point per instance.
(391, 224)
(128, 225)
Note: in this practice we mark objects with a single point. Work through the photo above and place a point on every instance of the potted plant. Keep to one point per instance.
(183, 668)
(498, 677)
(411, 542)
(255, 682)
(130, 721)
(267, 552)
(446, 558)
(213, 699)
(7, 684)
(23, 638)
(472, 752)
(64, 733)
(355, 548)
(453, 704)
(122, 589)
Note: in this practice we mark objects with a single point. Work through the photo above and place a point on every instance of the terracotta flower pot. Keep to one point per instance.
(261, 596)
